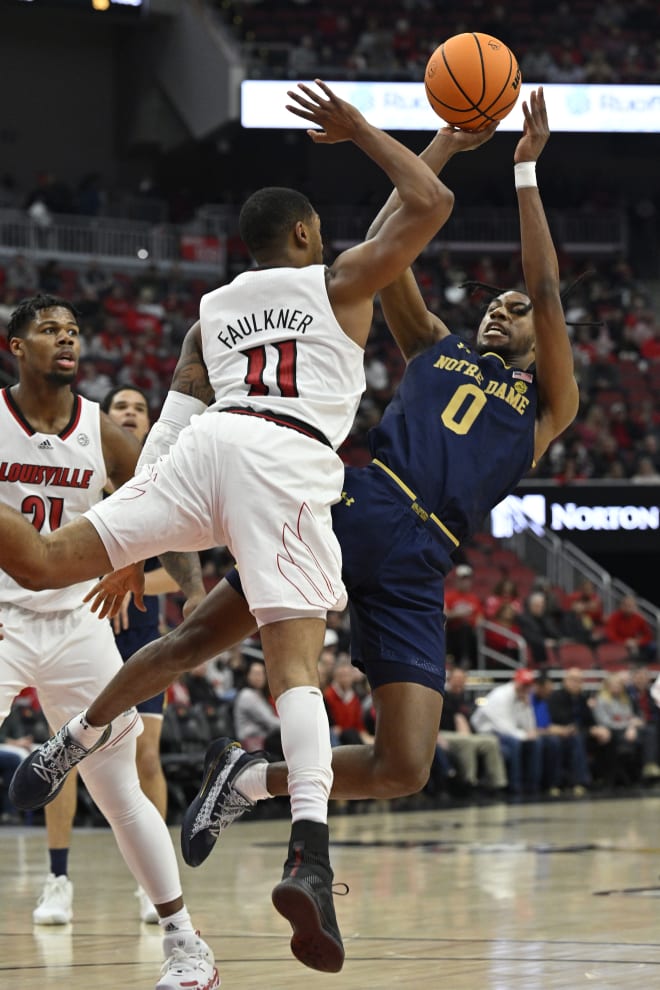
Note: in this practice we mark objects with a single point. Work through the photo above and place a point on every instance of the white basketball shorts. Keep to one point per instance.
(264, 491)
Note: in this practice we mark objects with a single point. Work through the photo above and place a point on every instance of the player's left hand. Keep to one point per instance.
(339, 120)
(108, 594)
(535, 129)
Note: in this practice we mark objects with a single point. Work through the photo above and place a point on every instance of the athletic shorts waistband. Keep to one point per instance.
(280, 419)
(423, 514)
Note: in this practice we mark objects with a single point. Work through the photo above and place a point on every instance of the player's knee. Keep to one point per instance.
(407, 776)
(148, 764)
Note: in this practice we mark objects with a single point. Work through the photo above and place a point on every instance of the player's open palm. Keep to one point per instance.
(535, 129)
(339, 120)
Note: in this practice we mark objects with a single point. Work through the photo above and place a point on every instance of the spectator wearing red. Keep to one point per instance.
(344, 706)
(505, 592)
(500, 639)
(627, 626)
(464, 612)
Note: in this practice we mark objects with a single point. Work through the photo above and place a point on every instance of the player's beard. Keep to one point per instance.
(61, 377)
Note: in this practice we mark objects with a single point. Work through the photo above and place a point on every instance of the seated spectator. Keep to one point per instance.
(613, 708)
(590, 602)
(94, 282)
(540, 630)
(626, 625)
(577, 626)
(645, 472)
(564, 752)
(569, 707)
(256, 721)
(477, 755)
(200, 688)
(508, 713)
(506, 617)
(344, 706)
(22, 275)
(505, 592)
(464, 612)
(647, 711)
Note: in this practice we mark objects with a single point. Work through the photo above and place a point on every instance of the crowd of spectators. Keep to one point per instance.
(133, 325)
(543, 620)
(594, 41)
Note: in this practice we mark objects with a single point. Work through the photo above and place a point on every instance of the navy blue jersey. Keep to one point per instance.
(455, 439)
(459, 432)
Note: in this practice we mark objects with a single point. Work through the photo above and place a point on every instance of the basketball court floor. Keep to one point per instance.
(504, 897)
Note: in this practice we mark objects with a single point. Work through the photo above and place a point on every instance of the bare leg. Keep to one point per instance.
(221, 620)
(398, 762)
(150, 770)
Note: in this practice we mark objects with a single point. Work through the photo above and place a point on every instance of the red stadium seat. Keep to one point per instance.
(576, 655)
(611, 656)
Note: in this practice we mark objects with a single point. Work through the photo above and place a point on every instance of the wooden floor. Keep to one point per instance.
(545, 896)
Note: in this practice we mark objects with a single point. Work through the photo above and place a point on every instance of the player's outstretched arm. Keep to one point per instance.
(425, 202)
(412, 325)
(558, 390)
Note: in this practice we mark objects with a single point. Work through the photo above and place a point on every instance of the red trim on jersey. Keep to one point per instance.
(16, 413)
(75, 418)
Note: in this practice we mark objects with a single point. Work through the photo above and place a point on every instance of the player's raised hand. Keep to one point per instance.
(339, 120)
(535, 129)
(457, 140)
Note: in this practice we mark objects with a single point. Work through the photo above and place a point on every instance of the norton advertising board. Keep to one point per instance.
(597, 517)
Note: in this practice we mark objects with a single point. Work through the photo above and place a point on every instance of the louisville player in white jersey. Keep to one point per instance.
(259, 473)
(57, 451)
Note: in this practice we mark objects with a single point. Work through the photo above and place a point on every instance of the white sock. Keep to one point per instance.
(180, 921)
(306, 746)
(252, 782)
(84, 733)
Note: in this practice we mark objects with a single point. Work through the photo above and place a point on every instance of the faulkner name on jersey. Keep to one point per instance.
(284, 319)
(39, 474)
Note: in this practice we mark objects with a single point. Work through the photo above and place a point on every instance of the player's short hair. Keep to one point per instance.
(268, 215)
(27, 310)
(106, 401)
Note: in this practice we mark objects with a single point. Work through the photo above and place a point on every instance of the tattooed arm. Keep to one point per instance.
(190, 393)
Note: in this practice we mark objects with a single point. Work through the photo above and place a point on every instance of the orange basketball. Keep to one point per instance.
(472, 80)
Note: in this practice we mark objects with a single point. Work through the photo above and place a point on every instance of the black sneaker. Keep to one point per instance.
(41, 775)
(217, 803)
(304, 898)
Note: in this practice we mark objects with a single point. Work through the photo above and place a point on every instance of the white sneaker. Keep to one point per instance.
(55, 906)
(148, 913)
(189, 964)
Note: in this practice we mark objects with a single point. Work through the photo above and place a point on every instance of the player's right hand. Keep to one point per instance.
(339, 120)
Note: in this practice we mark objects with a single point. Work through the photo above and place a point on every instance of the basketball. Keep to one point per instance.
(472, 80)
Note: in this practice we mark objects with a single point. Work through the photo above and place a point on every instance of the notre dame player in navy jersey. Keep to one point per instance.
(465, 425)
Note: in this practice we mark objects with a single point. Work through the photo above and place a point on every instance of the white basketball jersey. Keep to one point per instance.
(51, 479)
(271, 342)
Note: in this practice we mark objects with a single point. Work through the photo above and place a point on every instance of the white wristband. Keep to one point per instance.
(178, 409)
(524, 174)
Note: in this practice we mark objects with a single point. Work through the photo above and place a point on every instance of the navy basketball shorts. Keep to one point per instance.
(394, 568)
(129, 641)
